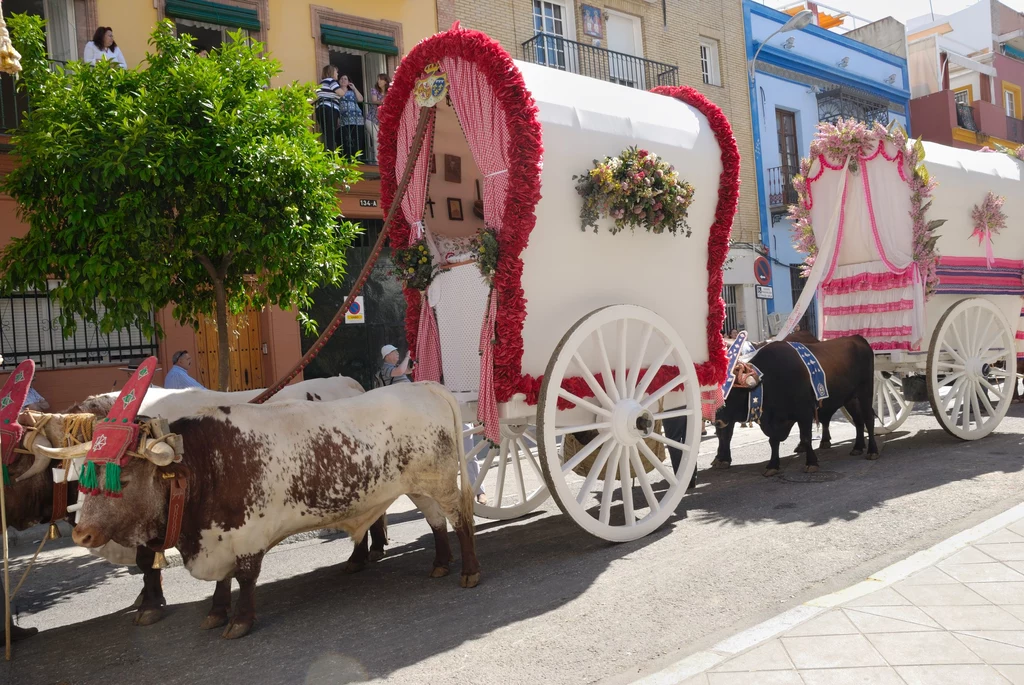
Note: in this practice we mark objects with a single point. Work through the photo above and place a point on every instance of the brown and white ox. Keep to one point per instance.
(30, 500)
(258, 474)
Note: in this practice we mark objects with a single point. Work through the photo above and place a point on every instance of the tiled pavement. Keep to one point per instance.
(959, 621)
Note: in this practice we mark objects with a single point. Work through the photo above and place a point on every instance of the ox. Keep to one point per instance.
(31, 501)
(789, 399)
(257, 474)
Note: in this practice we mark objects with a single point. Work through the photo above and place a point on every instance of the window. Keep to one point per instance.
(1010, 103)
(796, 283)
(789, 153)
(709, 70)
(29, 327)
(61, 32)
(961, 97)
(206, 36)
(549, 19)
(732, 314)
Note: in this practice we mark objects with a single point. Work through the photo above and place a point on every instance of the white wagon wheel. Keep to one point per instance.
(888, 402)
(969, 394)
(622, 414)
(518, 486)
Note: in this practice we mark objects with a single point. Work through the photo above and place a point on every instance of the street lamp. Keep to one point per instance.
(795, 23)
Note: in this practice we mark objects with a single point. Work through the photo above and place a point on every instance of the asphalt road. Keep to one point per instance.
(554, 605)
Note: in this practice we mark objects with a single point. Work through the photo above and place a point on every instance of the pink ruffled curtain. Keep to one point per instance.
(486, 129)
(428, 347)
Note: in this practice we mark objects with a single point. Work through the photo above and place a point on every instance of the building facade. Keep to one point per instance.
(642, 44)
(967, 72)
(801, 78)
(362, 39)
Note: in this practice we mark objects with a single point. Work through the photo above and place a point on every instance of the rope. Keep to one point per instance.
(426, 115)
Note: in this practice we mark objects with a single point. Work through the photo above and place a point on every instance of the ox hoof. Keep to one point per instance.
(768, 473)
(147, 617)
(353, 567)
(376, 555)
(138, 600)
(213, 621)
(824, 445)
(811, 469)
(439, 572)
(800, 449)
(236, 630)
(874, 456)
(719, 464)
(470, 580)
(856, 453)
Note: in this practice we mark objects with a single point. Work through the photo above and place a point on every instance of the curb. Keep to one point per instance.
(704, 660)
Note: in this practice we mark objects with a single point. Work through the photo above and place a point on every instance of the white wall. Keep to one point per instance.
(973, 79)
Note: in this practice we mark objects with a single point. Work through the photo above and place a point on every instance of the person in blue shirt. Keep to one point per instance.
(178, 377)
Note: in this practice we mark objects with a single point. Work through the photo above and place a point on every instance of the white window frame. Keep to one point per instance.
(638, 39)
(961, 97)
(1009, 103)
(710, 66)
(572, 61)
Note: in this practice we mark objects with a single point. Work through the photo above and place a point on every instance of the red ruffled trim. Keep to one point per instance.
(524, 193)
(890, 332)
(519, 218)
(884, 307)
(869, 281)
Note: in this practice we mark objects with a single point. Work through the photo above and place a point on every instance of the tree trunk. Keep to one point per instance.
(223, 353)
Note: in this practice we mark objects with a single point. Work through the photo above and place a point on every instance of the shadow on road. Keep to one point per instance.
(910, 463)
(323, 626)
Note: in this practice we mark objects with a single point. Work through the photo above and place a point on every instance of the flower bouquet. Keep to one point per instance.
(486, 247)
(414, 265)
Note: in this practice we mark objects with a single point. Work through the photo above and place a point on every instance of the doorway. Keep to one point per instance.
(245, 345)
(625, 43)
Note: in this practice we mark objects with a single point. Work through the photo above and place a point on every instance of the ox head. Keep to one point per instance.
(737, 407)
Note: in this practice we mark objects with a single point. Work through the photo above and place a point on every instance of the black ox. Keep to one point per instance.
(789, 399)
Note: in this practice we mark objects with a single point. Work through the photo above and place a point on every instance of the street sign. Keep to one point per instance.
(764, 292)
(762, 271)
(356, 312)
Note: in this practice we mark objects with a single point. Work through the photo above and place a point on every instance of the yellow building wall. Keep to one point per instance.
(291, 41)
(290, 37)
(132, 21)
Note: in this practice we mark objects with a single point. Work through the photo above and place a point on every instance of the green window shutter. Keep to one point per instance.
(357, 40)
(214, 13)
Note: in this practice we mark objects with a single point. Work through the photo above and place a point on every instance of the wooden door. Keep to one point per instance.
(245, 345)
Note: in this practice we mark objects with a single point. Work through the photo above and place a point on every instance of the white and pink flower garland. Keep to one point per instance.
(989, 219)
(850, 138)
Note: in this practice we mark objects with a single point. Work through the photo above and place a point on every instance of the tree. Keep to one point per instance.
(188, 182)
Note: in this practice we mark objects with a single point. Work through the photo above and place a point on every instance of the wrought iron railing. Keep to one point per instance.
(1015, 129)
(29, 328)
(605, 65)
(841, 102)
(781, 192)
(349, 135)
(14, 104)
(965, 117)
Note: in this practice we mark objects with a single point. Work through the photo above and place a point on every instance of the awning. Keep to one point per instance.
(966, 62)
(357, 40)
(214, 13)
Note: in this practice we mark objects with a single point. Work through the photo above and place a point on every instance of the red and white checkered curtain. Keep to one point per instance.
(485, 126)
(428, 345)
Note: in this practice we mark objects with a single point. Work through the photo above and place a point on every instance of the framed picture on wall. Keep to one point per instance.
(591, 21)
(455, 208)
(453, 169)
(433, 163)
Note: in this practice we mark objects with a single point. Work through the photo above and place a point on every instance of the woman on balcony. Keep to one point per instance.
(377, 93)
(102, 46)
(352, 121)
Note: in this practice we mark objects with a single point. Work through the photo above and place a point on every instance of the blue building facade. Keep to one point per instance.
(800, 79)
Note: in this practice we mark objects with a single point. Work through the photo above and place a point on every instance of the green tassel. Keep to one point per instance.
(88, 482)
(7, 476)
(113, 479)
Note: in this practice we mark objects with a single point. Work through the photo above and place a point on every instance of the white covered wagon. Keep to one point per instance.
(590, 334)
(920, 249)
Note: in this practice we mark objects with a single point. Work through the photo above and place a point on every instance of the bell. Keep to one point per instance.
(159, 561)
(54, 533)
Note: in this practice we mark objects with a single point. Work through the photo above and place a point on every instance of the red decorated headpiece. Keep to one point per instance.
(12, 399)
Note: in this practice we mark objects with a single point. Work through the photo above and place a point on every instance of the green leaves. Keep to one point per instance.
(131, 179)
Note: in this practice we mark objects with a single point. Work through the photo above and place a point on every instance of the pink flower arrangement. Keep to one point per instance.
(859, 141)
(635, 189)
(989, 219)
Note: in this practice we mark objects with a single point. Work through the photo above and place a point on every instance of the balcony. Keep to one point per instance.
(347, 139)
(842, 102)
(965, 117)
(1014, 129)
(604, 65)
(781, 193)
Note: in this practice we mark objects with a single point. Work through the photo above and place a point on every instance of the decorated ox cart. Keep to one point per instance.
(568, 348)
(919, 248)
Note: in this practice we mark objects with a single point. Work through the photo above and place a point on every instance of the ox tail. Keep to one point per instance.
(466, 501)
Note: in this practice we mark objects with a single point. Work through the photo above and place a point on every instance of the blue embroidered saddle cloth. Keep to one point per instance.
(817, 374)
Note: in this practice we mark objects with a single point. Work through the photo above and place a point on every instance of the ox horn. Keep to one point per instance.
(158, 452)
(42, 461)
(63, 453)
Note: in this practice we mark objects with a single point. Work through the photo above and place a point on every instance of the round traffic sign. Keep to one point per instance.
(354, 308)
(762, 271)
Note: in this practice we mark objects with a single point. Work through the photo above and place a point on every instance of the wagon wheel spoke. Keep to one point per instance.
(609, 484)
(622, 371)
(528, 454)
(580, 402)
(663, 390)
(641, 475)
(595, 471)
(587, 450)
(638, 361)
(673, 414)
(524, 498)
(499, 489)
(518, 466)
(658, 464)
(592, 383)
(648, 378)
(606, 368)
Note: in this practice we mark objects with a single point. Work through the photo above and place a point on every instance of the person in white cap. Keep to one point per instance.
(391, 370)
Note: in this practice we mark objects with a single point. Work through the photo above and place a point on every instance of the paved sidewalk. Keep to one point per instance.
(952, 615)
